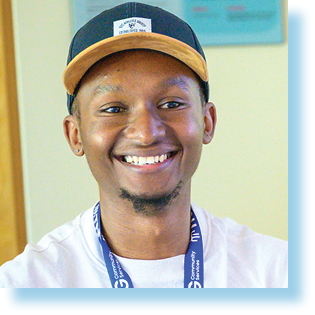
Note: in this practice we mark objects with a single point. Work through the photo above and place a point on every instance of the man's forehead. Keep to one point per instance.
(165, 84)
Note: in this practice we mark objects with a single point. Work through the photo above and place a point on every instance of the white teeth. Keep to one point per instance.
(128, 159)
(142, 160)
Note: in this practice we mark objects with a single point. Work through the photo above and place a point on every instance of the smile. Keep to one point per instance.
(147, 160)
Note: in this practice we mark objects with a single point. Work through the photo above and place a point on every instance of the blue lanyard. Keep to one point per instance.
(193, 265)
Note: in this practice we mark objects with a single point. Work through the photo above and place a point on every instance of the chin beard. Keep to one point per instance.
(150, 205)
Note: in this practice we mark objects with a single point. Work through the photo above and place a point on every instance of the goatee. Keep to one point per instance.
(150, 205)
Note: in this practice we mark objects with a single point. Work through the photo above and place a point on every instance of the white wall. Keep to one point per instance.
(243, 172)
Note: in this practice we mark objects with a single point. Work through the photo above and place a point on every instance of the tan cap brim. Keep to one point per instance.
(154, 41)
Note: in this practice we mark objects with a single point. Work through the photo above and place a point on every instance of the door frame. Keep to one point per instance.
(12, 208)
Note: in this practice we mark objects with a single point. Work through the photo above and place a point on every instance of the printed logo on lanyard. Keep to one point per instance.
(193, 265)
(194, 261)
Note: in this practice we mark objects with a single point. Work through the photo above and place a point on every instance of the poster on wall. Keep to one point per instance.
(216, 22)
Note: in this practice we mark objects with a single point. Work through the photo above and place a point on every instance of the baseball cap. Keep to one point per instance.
(128, 26)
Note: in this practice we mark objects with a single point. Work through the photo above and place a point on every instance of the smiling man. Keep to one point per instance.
(141, 127)
(138, 106)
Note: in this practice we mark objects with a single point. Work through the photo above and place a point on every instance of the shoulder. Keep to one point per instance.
(38, 262)
(263, 259)
(252, 259)
(236, 234)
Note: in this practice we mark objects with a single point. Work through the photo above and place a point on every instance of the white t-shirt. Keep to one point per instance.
(71, 257)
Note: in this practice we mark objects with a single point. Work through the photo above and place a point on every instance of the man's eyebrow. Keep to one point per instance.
(101, 89)
(178, 81)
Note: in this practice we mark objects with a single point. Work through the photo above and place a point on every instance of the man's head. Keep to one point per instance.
(142, 122)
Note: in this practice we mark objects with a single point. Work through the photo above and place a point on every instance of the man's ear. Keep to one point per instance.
(210, 117)
(73, 136)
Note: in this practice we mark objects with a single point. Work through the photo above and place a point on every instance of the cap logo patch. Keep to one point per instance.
(132, 25)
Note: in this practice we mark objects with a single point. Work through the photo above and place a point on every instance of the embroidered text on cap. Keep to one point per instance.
(132, 25)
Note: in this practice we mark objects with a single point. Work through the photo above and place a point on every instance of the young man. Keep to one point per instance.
(139, 111)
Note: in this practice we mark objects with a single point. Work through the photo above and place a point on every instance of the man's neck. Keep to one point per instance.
(139, 236)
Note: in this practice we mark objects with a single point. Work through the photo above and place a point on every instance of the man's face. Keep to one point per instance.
(142, 123)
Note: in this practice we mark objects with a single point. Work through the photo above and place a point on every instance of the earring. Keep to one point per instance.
(77, 150)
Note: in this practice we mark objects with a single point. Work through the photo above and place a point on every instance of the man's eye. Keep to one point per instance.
(114, 110)
(170, 105)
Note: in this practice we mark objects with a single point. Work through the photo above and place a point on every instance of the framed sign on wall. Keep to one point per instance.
(216, 22)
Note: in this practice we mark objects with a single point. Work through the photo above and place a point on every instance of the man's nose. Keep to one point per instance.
(145, 126)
